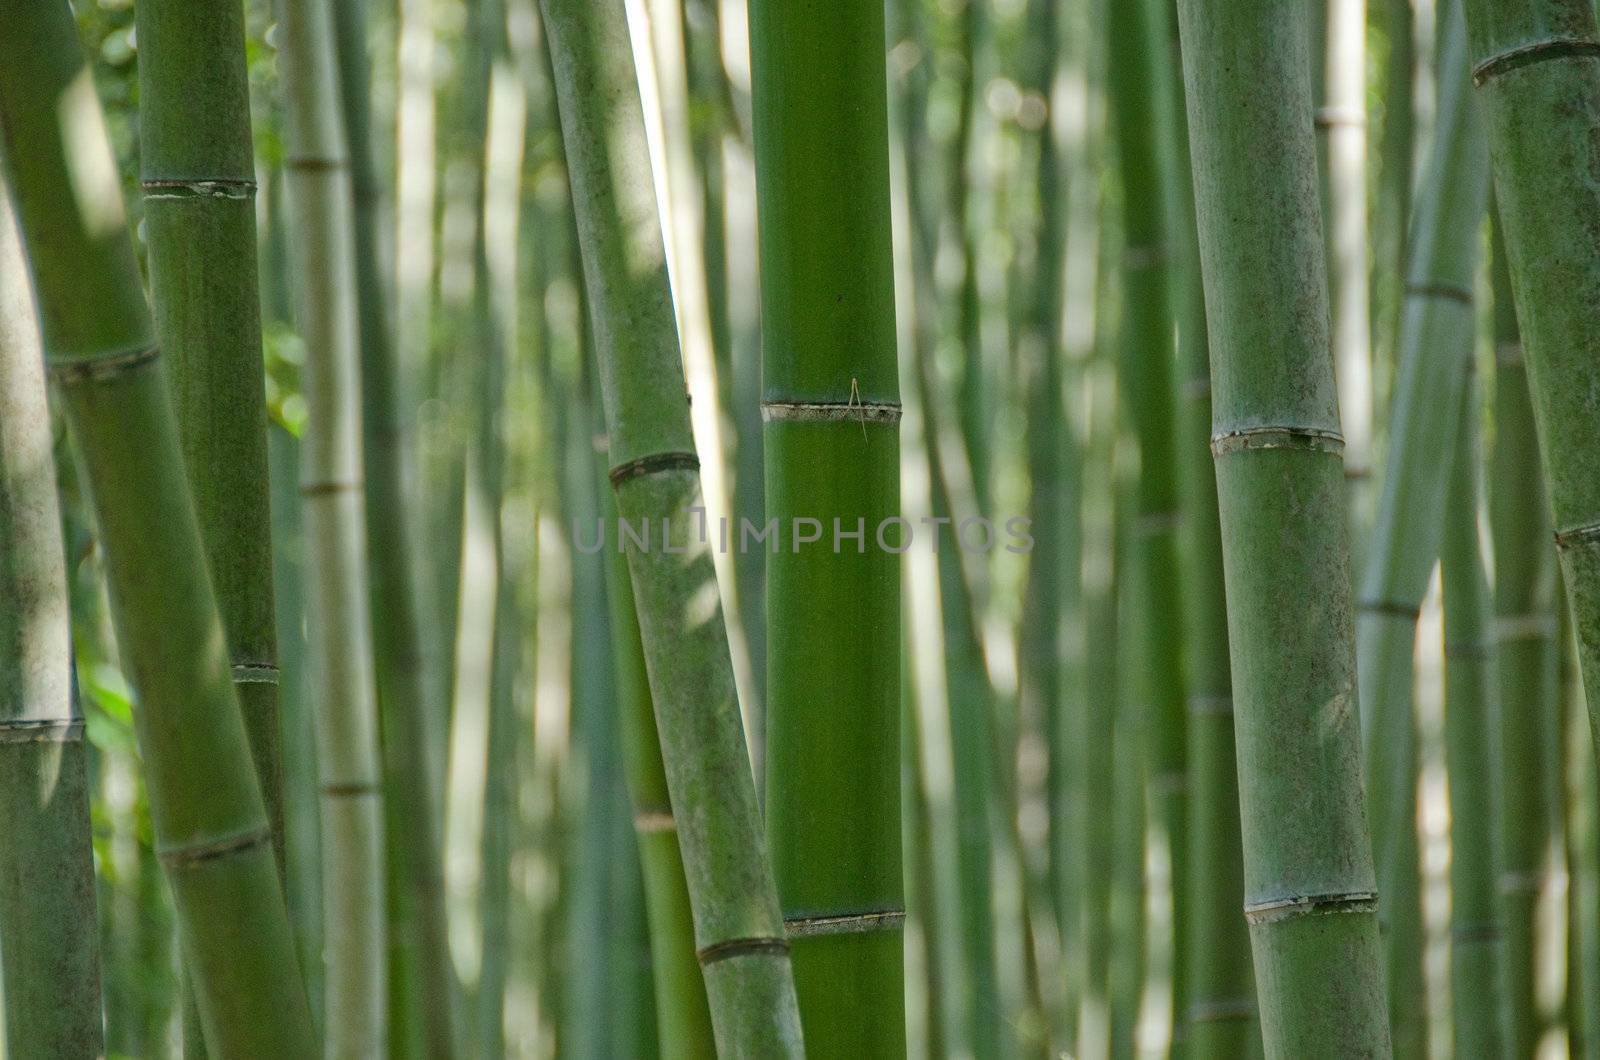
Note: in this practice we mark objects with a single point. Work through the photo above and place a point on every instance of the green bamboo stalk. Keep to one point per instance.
(831, 405)
(1221, 1019)
(1583, 855)
(1309, 883)
(210, 821)
(738, 928)
(49, 944)
(1142, 119)
(1469, 724)
(1536, 64)
(1391, 221)
(1525, 662)
(1132, 793)
(333, 496)
(1434, 356)
(421, 982)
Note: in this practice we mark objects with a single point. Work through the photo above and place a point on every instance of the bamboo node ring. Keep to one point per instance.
(1449, 291)
(1278, 909)
(1249, 439)
(654, 462)
(42, 730)
(800, 927)
(1578, 535)
(1390, 609)
(199, 189)
(92, 369)
(745, 947)
(181, 857)
(254, 673)
(1534, 52)
(831, 411)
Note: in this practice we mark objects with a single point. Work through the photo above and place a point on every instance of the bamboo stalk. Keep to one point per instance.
(421, 984)
(334, 498)
(831, 407)
(1309, 883)
(1469, 725)
(210, 821)
(1434, 356)
(49, 942)
(738, 928)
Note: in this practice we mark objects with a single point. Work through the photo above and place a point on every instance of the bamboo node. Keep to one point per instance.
(1250, 439)
(800, 927)
(1536, 626)
(182, 857)
(745, 947)
(350, 789)
(1578, 535)
(1390, 609)
(1449, 291)
(654, 462)
(92, 369)
(199, 189)
(1279, 909)
(42, 730)
(1210, 706)
(830, 411)
(1534, 52)
(1515, 882)
(1475, 933)
(1219, 1010)
(314, 163)
(323, 489)
(255, 673)
(654, 822)
(1345, 117)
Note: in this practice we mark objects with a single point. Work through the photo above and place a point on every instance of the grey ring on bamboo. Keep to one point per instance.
(1508, 354)
(801, 927)
(725, 950)
(654, 822)
(1534, 52)
(220, 848)
(1238, 1008)
(1529, 882)
(1248, 439)
(254, 673)
(1204, 706)
(1536, 626)
(111, 366)
(649, 465)
(314, 164)
(1467, 933)
(350, 790)
(1448, 291)
(42, 730)
(830, 411)
(1390, 609)
(322, 489)
(1578, 535)
(1345, 117)
(1278, 909)
(199, 189)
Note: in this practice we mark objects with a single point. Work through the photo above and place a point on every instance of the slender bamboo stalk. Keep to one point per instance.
(49, 943)
(1469, 725)
(1309, 883)
(1525, 662)
(421, 983)
(338, 619)
(1538, 65)
(1435, 352)
(738, 928)
(210, 822)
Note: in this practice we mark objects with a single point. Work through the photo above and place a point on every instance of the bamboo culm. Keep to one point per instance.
(212, 829)
(739, 931)
(1310, 889)
(49, 940)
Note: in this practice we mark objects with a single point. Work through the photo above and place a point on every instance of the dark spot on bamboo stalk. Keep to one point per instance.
(654, 462)
(179, 857)
(1280, 909)
(198, 189)
(1449, 291)
(730, 948)
(68, 371)
(1391, 608)
(314, 164)
(350, 789)
(1578, 536)
(800, 927)
(1308, 439)
(1534, 52)
(320, 489)
(1339, 117)
(42, 730)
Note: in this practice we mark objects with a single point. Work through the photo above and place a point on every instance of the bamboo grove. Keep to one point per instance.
(749, 528)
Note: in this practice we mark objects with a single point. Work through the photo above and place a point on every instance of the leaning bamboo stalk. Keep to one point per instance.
(49, 940)
(421, 986)
(1309, 883)
(738, 928)
(334, 499)
(1435, 350)
(1469, 724)
(831, 408)
(211, 826)
(1538, 67)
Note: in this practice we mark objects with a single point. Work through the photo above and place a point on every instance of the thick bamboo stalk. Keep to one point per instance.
(1309, 883)
(1469, 745)
(49, 942)
(333, 495)
(421, 983)
(1434, 356)
(1525, 664)
(738, 928)
(211, 826)
(1538, 66)
(831, 405)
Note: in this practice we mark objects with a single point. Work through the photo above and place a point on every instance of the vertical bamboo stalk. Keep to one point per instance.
(1309, 883)
(738, 928)
(1469, 726)
(49, 944)
(333, 494)
(210, 822)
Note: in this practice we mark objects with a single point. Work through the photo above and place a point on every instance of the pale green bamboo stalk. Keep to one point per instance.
(738, 928)
(210, 822)
(49, 943)
(1310, 889)
(333, 496)
(1469, 726)
(1434, 356)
